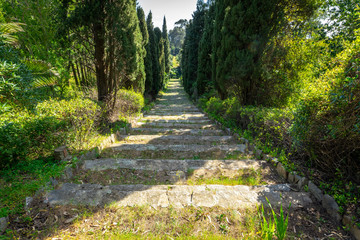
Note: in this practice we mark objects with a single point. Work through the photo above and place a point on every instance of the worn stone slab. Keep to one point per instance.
(174, 113)
(281, 171)
(175, 108)
(205, 121)
(177, 139)
(315, 191)
(175, 125)
(331, 207)
(170, 165)
(167, 131)
(175, 117)
(174, 151)
(177, 196)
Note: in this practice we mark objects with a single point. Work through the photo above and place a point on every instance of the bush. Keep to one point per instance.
(128, 103)
(327, 126)
(269, 125)
(27, 136)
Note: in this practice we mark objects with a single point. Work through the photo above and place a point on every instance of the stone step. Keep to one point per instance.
(177, 196)
(175, 125)
(183, 117)
(170, 165)
(166, 131)
(206, 121)
(177, 139)
(175, 113)
(173, 151)
(175, 109)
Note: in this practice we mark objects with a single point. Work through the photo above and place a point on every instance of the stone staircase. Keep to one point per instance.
(179, 141)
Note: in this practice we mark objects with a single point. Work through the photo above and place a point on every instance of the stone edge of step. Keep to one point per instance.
(174, 165)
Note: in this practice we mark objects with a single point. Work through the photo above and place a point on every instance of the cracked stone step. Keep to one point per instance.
(177, 139)
(167, 131)
(175, 125)
(177, 196)
(173, 151)
(170, 165)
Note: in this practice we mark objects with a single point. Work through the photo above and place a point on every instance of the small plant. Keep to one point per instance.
(275, 225)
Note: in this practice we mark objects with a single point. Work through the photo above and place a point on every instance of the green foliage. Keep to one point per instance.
(326, 125)
(166, 47)
(204, 78)
(176, 37)
(189, 63)
(153, 81)
(129, 103)
(268, 125)
(27, 136)
(276, 225)
(24, 180)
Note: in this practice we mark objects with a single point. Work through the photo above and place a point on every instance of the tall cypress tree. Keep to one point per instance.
(242, 31)
(161, 60)
(165, 36)
(204, 80)
(154, 53)
(193, 35)
(146, 44)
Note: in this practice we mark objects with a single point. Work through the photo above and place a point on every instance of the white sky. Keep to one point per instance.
(173, 10)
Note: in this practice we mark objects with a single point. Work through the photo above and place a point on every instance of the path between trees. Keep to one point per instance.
(176, 158)
(176, 138)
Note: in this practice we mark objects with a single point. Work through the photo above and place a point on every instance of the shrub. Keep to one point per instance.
(327, 126)
(269, 125)
(128, 103)
(27, 136)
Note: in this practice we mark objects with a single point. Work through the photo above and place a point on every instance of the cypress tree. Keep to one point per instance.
(193, 35)
(154, 53)
(165, 36)
(161, 59)
(204, 73)
(220, 7)
(130, 51)
(146, 44)
(242, 31)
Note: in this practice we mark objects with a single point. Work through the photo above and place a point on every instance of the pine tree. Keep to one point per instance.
(166, 47)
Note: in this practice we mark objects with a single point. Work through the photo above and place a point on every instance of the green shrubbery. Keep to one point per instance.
(27, 136)
(327, 125)
(265, 124)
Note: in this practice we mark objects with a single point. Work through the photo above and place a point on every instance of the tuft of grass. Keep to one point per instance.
(275, 225)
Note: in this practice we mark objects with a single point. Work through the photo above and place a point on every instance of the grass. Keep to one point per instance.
(23, 181)
(145, 222)
(249, 177)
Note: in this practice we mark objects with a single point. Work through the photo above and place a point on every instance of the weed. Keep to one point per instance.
(275, 225)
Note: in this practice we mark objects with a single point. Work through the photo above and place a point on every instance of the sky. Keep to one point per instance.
(174, 10)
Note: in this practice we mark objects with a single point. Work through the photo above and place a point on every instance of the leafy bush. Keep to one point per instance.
(27, 136)
(269, 125)
(127, 103)
(327, 125)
